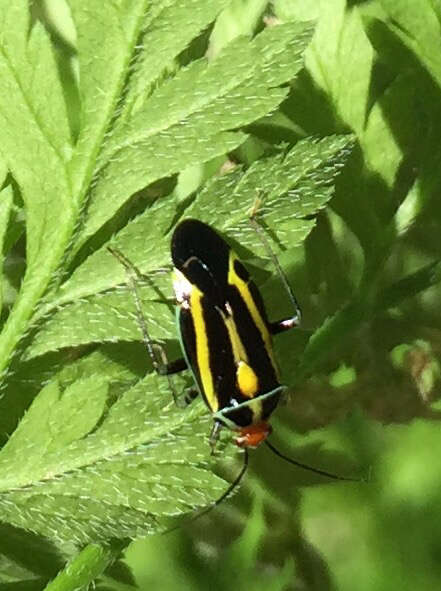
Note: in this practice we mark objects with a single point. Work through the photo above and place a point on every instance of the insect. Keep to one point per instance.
(225, 335)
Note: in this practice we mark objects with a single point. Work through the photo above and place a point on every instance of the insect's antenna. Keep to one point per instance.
(261, 234)
(156, 353)
(218, 501)
(310, 468)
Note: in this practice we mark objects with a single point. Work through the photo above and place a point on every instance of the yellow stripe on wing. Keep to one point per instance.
(242, 286)
(237, 347)
(202, 348)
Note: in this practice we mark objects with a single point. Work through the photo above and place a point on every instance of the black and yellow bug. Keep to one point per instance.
(226, 337)
(225, 333)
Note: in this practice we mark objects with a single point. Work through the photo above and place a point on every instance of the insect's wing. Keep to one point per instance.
(207, 348)
(253, 331)
(224, 330)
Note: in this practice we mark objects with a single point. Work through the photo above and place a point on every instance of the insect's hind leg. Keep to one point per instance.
(155, 350)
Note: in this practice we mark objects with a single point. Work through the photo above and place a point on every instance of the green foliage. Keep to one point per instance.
(117, 119)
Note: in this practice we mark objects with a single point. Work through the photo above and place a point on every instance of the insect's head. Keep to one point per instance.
(253, 435)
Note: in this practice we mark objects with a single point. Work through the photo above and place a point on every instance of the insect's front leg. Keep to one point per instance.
(157, 354)
(169, 368)
(172, 367)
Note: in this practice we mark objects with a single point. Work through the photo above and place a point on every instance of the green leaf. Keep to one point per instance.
(244, 551)
(35, 138)
(392, 129)
(136, 166)
(107, 35)
(185, 121)
(55, 421)
(418, 27)
(6, 199)
(195, 90)
(80, 480)
(165, 42)
(342, 518)
(27, 64)
(302, 10)
(340, 51)
(121, 573)
(389, 145)
(108, 317)
(25, 556)
(185, 115)
(409, 286)
(239, 18)
(330, 336)
(144, 241)
(293, 185)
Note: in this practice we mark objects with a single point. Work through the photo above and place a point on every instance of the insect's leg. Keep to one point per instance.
(167, 369)
(214, 435)
(171, 367)
(295, 319)
(285, 324)
(155, 350)
(189, 395)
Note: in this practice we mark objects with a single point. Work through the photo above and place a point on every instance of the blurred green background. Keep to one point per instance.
(371, 264)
